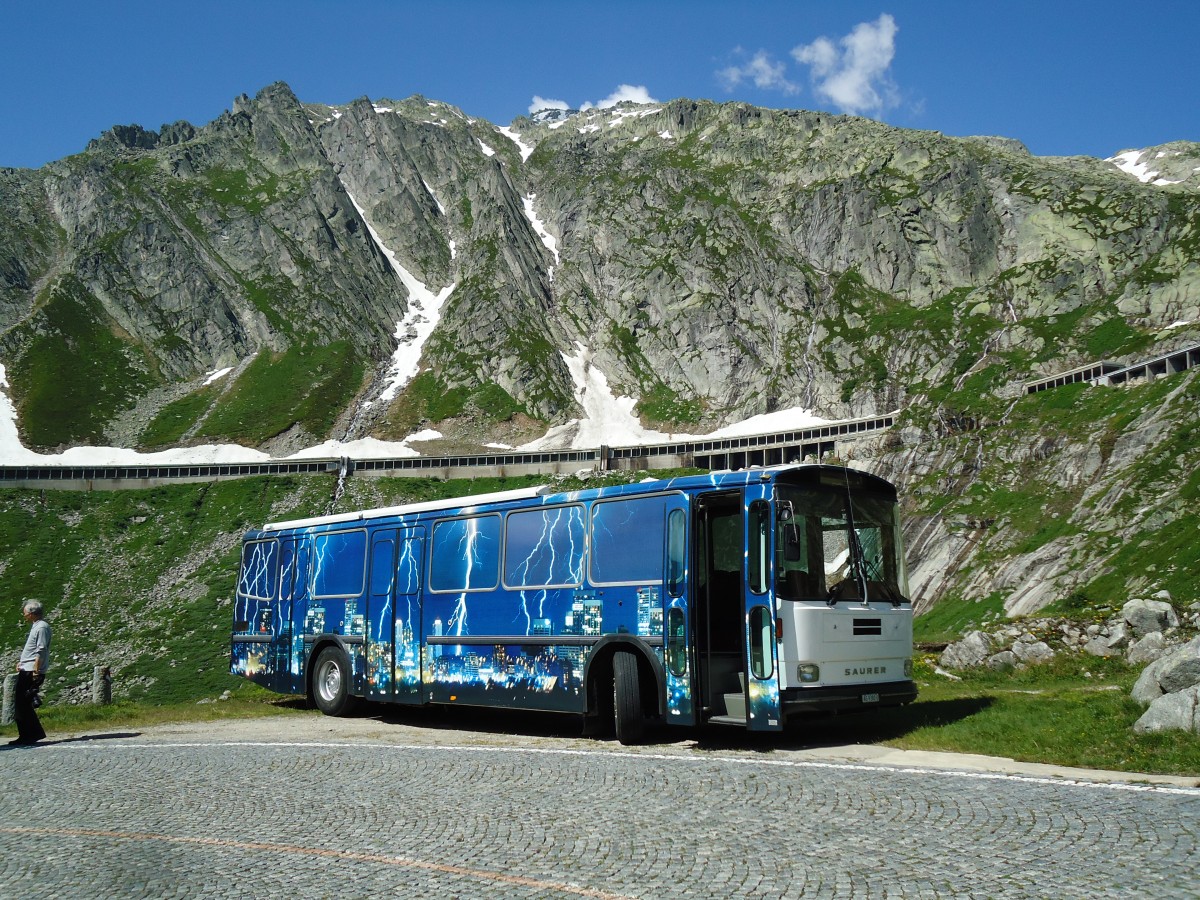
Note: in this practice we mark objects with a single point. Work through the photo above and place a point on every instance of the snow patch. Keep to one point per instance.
(424, 313)
(539, 227)
(11, 451)
(430, 192)
(791, 419)
(427, 434)
(217, 375)
(607, 419)
(487, 151)
(1137, 163)
(623, 115)
(367, 448)
(526, 149)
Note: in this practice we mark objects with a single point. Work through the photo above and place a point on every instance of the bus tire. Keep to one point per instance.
(627, 699)
(331, 683)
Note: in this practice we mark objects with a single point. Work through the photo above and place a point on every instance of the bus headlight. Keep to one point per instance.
(908, 668)
(808, 672)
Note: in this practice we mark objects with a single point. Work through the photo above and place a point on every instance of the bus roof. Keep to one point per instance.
(408, 508)
(716, 480)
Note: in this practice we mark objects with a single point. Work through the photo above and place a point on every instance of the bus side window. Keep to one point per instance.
(762, 636)
(382, 569)
(676, 642)
(676, 551)
(760, 545)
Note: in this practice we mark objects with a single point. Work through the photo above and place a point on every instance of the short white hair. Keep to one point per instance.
(33, 607)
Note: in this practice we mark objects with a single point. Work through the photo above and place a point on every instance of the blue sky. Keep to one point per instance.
(1063, 76)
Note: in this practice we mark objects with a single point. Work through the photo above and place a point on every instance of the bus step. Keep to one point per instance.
(727, 720)
(735, 705)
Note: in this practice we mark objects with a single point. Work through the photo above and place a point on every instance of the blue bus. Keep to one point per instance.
(745, 598)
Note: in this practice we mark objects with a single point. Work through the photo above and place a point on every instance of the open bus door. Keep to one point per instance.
(763, 709)
(718, 551)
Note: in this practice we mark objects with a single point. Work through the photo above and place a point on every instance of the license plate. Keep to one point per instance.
(870, 698)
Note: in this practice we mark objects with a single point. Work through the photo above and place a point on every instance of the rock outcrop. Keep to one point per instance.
(1038, 640)
(1169, 687)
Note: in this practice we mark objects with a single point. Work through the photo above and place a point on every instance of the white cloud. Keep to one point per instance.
(540, 103)
(853, 74)
(820, 54)
(766, 73)
(625, 93)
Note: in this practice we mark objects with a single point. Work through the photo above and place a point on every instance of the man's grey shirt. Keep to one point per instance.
(37, 647)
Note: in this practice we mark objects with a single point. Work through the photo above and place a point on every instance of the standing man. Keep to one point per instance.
(31, 672)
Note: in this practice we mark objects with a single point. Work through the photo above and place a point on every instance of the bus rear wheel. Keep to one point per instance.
(628, 717)
(331, 683)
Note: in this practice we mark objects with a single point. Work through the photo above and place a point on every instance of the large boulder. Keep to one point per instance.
(971, 651)
(1148, 649)
(1146, 689)
(1181, 669)
(1171, 712)
(1002, 661)
(1098, 646)
(1118, 634)
(1146, 616)
(1032, 652)
(1174, 672)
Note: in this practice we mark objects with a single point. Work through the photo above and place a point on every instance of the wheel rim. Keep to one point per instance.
(329, 682)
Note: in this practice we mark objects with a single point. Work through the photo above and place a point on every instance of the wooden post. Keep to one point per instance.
(102, 685)
(10, 696)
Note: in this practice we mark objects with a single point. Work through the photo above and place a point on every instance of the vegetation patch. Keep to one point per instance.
(136, 580)
(1114, 337)
(951, 618)
(307, 385)
(663, 406)
(427, 399)
(77, 370)
(1074, 711)
(168, 427)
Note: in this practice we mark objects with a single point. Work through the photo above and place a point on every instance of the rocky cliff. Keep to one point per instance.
(716, 261)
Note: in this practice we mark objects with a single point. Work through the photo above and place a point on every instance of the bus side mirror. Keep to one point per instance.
(791, 544)
(786, 515)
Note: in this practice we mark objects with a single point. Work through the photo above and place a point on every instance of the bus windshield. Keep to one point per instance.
(833, 544)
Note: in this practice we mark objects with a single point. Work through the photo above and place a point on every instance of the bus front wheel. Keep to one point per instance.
(627, 699)
(331, 683)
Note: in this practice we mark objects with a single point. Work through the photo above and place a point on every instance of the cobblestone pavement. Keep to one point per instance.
(304, 806)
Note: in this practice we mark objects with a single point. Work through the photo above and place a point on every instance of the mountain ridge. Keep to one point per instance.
(711, 261)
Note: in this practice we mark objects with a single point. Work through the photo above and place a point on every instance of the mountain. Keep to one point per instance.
(385, 266)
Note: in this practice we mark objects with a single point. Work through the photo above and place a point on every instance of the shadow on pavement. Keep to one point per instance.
(839, 730)
(113, 736)
(807, 733)
(475, 718)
